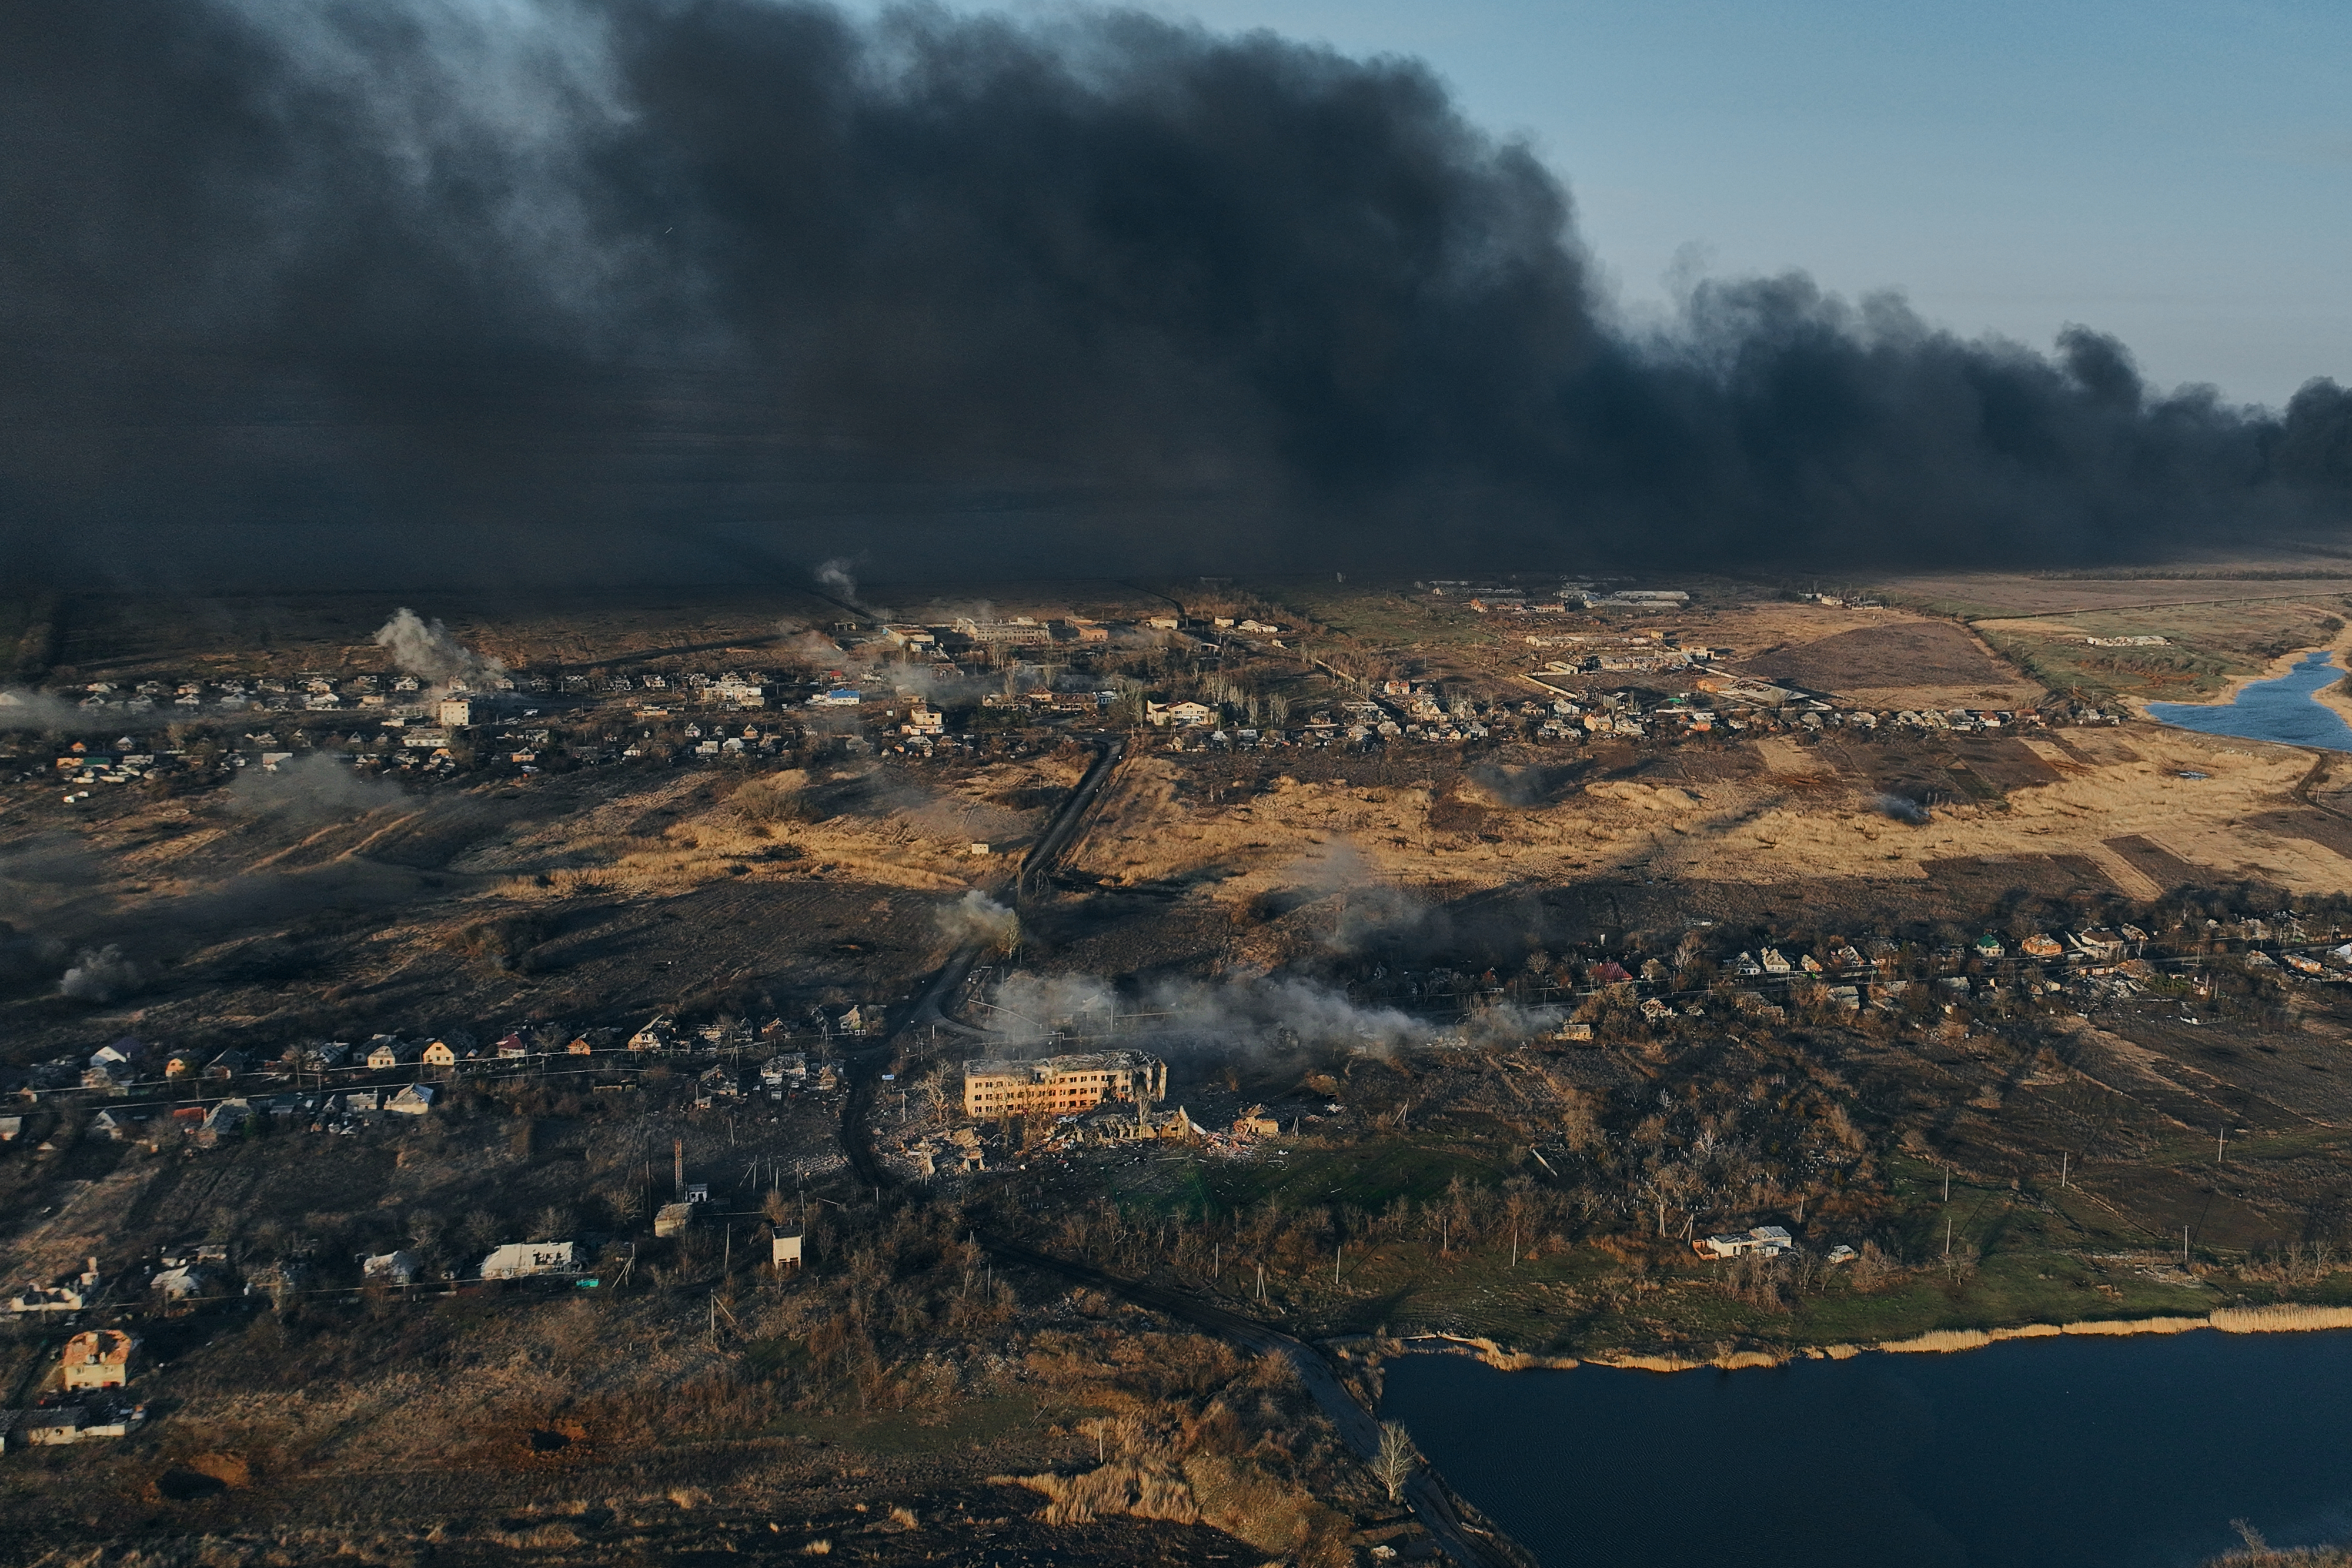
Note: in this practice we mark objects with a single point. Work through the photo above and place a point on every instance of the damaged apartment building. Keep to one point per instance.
(1061, 1085)
(1112, 1090)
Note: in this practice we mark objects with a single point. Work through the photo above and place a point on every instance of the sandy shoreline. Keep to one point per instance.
(2283, 1319)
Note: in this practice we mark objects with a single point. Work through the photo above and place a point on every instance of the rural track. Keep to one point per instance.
(1064, 828)
(1434, 1503)
(2311, 781)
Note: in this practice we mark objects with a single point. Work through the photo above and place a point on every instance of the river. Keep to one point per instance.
(2075, 1451)
(2283, 710)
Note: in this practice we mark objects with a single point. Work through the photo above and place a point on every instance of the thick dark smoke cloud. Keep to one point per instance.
(600, 288)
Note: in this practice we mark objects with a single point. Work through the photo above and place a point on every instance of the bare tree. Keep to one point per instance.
(1393, 1466)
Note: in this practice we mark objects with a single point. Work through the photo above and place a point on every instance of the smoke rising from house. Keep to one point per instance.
(425, 649)
(611, 290)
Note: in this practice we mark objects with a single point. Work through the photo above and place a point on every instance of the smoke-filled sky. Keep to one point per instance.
(608, 290)
(2175, 172)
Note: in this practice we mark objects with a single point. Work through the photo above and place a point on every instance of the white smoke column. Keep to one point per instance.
(99, 974)
(1902, 807)
(1246, 1013)
(834, 575)
(809, 647)
(425, 649)
(1506, 1023)
(979, 920)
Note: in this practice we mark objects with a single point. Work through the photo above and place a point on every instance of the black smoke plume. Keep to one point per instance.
(600, 289)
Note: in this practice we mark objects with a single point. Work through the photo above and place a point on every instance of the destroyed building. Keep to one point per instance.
(99, 1358)
(1061, 1085)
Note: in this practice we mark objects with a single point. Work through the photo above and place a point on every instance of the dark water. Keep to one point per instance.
(2084, 1453)
(2282, 710)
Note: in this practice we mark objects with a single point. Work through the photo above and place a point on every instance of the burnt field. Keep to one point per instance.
(1878, 658)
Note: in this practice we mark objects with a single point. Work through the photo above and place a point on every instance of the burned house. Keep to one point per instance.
(531, 1259)
(68, 1294)
(99, 1358)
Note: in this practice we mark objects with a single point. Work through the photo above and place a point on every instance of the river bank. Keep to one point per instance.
(2285, 1317)
(2332, 696)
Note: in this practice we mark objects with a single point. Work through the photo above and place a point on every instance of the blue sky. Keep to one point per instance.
(2179, 174)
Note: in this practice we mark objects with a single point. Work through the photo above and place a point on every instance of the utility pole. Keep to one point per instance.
(1338, 1248)
(2221, 1142)
(2066, 1158)
(1261, 1284)
(1948, 1236)
(2184, 1246)
(1948, 1184)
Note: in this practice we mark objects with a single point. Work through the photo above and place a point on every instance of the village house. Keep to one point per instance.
(2040, 945)
(389, 1050)
(394, 1268)
(75, 1424)
(1061, 1085)
(99, 1358)
(1185, 715)
(659, 1033)
(183, 1282)
(1255, 1122)
(67, 1293)
(1764, 1240)
(528, 1260)
(440, 1053)
(414, 1101)
(225, 1119)
(122, 1127)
